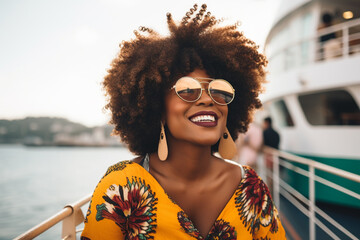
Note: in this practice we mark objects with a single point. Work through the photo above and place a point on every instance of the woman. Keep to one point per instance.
(170, 104)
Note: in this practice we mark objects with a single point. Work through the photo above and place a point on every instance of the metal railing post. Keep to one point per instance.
(261, 166)
(276, 182)
(69, 223)
(69, 227)
(312, 202)
(345, 43)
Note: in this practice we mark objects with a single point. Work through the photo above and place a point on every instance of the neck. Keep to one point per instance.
(186, 161)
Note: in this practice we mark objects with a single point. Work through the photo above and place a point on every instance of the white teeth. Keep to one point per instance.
(203, 118)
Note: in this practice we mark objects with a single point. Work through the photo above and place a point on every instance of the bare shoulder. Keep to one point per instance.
(230, 168)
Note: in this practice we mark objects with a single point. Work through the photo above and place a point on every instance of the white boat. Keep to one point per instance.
(313, 95)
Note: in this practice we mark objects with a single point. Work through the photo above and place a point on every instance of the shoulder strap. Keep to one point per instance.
(242, 171)
(145, 162)
(237, 164)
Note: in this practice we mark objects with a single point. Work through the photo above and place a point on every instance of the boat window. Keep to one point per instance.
(330, 108)
(280, 113)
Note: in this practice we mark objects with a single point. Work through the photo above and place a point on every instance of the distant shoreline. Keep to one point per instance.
(63, 145)
(71, 145)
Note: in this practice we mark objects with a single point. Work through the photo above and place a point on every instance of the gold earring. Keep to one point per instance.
(227, 147)
(162, 148)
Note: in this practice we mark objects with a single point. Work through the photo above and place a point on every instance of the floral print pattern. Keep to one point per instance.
(131, 207)
(117, 167)
(220, 229)
(187, 225)
(254, 203)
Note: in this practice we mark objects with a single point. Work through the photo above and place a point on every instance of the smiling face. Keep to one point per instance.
(202, 122)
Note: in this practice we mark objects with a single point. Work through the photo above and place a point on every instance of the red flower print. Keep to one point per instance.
(131, 207)
(187, 225)
(220, 230)
(254, 203)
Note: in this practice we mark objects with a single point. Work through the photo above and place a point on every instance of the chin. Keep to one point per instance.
(206, 142)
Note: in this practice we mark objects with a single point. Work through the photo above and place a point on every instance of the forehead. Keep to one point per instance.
(199, 73)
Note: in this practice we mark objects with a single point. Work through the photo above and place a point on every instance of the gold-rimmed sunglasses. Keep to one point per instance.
(189, 89)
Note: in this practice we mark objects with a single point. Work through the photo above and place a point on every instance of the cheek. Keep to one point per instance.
(224, 112)
(175, 110)
(223, 120)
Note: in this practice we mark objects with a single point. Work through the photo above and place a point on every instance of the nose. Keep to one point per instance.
(205, 99)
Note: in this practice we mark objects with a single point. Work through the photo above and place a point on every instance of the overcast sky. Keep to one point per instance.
(54, 54)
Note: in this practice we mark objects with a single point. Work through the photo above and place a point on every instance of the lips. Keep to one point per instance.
(204, 119)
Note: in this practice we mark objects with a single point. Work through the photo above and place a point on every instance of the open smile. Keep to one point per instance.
(204, 119)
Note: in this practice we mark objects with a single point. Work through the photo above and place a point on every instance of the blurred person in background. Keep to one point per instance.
(270, 136)
(330, 47)
(271, 139)
(249, 145)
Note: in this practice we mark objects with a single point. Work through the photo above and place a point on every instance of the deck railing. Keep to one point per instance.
(344, 41)
(71, 216)
(306, 205)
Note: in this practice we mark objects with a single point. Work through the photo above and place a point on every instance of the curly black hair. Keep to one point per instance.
(150, 64)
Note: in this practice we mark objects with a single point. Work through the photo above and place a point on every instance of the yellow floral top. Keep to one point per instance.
(129, 203)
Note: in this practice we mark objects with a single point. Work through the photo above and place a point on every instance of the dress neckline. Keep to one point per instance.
(144, 164)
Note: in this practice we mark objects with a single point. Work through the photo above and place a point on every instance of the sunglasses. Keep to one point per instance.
(189, 89)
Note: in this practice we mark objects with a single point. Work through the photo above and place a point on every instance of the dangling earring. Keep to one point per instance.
(227, 147)
(162, 148)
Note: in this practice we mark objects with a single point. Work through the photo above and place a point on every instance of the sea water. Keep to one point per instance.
(37, 182)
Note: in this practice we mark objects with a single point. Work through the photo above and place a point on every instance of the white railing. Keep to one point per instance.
(311, 49)
(71, 216)
(304, 204)
(347, 40)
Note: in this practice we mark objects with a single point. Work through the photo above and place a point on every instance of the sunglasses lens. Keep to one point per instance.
(221, 91)
(188, 89)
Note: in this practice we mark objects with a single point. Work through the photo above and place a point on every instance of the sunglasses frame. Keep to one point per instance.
(212, 79)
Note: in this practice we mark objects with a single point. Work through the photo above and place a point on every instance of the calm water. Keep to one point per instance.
(35, 183)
